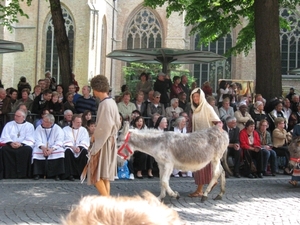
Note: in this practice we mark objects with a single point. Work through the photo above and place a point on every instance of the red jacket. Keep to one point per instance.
(244, 141)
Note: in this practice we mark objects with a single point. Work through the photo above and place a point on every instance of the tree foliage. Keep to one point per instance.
(9, 13)
(213, 19)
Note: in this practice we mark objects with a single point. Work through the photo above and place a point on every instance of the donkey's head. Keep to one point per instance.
(294, 150)
(124, 150)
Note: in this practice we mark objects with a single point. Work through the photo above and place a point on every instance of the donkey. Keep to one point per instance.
(191, 151)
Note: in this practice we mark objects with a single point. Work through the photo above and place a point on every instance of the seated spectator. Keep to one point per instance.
(16, 154)
(161, 123)
(242, 116)
(48, 153)
(250, 143)
(23, 100)
(212, 101)
(91, 127)
(294, 118)
(13, 95)
(142, 161)
(69, 104)
(125, 106)
(86, 101)
(155, 106)
(154, 119)
(36, 92)
(226, 110)
(55, 107)
(38, 122)
(122, 210)
(266, 144)
(41, 102)
(296, 131)
(258, 113)
(234, 149)
(188, 124)
(67, 121)
(5, 108)
(281, 139)
(134, 114)
(179, 126)
(286, 108)
(182, 101)
(140, 104)
(86, 117)
(275, 113)
(294, 102)
(76, 143)
(173, 111)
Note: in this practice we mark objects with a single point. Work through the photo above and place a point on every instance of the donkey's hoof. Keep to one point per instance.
(177, 195)
(204, 198)
(218, 197)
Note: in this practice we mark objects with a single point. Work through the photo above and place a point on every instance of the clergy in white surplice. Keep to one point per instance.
(76, 144)
(48, 153)
(18, 140)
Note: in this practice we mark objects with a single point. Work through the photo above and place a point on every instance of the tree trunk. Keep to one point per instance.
(62, 43)
(268, 63)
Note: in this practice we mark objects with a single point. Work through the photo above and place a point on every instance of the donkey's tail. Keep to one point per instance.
(224, 162)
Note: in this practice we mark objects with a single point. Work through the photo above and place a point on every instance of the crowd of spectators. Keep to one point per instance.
(259, 131)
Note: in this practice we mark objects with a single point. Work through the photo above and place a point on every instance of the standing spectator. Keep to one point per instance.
(69, 104)
(86, 101)
(48, 153)
(234, 149)
(16, 153)
(42, 84)
(103, 154)
(5, 108)
(75, 83)
(163, 85)
(72, 89)
(36, 92)
(185, 86)
(290, 94)
(203, 117)
(125, 106)
(21, 85)
(155, 106)
(42, 102)
(207, 89)
(175, 88)
(76, 142)
(144, 85)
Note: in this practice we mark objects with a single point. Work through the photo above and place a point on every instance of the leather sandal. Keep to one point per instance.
(293, 182)
(195, 194)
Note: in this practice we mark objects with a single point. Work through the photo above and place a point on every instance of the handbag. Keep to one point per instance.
(252, 165)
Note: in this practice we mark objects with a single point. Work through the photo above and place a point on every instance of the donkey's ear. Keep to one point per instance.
(126, 127)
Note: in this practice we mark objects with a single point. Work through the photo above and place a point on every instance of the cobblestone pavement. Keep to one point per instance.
(247, 201)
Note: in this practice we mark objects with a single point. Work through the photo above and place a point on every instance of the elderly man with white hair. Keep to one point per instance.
(16, 154)
(174, 110)
(48, 153)
(67, 121)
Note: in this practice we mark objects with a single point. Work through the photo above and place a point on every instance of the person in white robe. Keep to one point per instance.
(48, 152)
(18, 140)
(76, 143)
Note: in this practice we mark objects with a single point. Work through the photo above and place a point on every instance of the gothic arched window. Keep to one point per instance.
(144, 31)
(290, 44)
(214, 71)
(52, 62)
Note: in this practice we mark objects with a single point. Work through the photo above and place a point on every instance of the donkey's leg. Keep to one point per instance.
(217, 170)
(165, 171)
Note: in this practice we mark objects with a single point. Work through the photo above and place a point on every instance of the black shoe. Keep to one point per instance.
(250, 176)
(56, 178)
(71, 178)
(36, 177)
(139, 177)
(254, 175)
(237, 175)
(273, 174)
(260, 175)
(150, 176)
